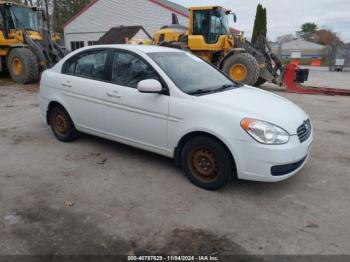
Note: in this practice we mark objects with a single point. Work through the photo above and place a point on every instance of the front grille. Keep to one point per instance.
(286, 169)
(304, 131)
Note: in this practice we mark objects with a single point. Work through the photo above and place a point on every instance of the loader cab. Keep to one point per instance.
(24, 18)
(17, 17)
(2, 22)
(210, 22)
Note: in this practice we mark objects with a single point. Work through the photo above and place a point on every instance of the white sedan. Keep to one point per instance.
(175, 104)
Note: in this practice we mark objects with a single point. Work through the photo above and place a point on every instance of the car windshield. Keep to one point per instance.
(190, 73)
(25, 18)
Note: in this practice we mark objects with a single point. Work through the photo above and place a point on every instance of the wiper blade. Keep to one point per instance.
(200, 91)
(209, 91)
(224, 87)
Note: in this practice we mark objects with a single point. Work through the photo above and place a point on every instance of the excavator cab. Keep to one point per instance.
(26, 47)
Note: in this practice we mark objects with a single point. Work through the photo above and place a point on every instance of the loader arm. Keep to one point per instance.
(47, 51)
(37, 50)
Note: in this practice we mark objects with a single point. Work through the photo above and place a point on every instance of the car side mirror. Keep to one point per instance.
(149, 86)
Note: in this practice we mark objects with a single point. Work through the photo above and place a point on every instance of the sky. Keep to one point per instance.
(286, 16)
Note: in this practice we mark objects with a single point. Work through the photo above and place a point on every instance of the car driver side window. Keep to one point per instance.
(129, 70)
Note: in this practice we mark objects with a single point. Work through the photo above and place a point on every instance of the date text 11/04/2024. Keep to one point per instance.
(173, 258)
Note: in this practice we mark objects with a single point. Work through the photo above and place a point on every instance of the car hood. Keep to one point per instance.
(255, 103)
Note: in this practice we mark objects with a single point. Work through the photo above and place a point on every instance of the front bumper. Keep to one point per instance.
(258, 162)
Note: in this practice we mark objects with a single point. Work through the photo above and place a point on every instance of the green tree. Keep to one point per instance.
(308, 31)
(63, 10)
(260, 24)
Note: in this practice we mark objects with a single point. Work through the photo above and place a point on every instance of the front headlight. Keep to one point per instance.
(264, 132)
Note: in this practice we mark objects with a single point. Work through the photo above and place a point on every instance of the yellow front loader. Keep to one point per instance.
(209, 36)
(26, 48)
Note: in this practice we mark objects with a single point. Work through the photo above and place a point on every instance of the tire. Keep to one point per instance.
(206, 163)
(260, 82)
(62, 125)
(23, 66)
(244, 62)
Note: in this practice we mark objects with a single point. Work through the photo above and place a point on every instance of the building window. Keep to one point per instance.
(90, 43)
(74, 45)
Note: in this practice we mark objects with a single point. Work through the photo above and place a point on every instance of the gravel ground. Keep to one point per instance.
(98, 197)
(322, 77)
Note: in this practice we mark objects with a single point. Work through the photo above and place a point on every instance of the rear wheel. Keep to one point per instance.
(242, 68)
(207, 163)
(23, 66)
(62, 125)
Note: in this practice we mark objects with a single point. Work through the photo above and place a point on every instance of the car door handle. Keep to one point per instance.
(114, 94)
(67, 85)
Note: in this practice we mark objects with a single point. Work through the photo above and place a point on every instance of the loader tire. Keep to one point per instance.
(260, 82)
(23, 66)
(242, 68)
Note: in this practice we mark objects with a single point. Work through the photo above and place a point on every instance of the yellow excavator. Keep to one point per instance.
(26, 47)
(209, 36)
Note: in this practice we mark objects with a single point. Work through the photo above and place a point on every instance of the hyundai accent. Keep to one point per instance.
(173, 103)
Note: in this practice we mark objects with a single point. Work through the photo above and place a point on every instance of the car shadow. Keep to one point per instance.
(129, 151)
(4, 75)
(5, 78)
(234, 187)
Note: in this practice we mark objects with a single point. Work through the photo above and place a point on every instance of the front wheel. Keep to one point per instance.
(242, 68)
(207, 163)
(23, 66)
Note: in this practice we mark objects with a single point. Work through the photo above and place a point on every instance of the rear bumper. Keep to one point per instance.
(270, 163)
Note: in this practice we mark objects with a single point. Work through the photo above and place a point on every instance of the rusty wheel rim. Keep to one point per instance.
(61, 124)
(204, 164)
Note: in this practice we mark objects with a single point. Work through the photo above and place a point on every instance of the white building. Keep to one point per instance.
(300, 49)
(101, 15)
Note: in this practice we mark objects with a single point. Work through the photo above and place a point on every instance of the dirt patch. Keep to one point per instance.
(48, 231)
(195, 242)
(14, 137)
(9, 106)
(6, 81)
(337, 132)
(5, 132)
(77, 157)
(100, 160)
(32, 88)
(342, 158)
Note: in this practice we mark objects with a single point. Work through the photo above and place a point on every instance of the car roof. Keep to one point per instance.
(141, 48)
